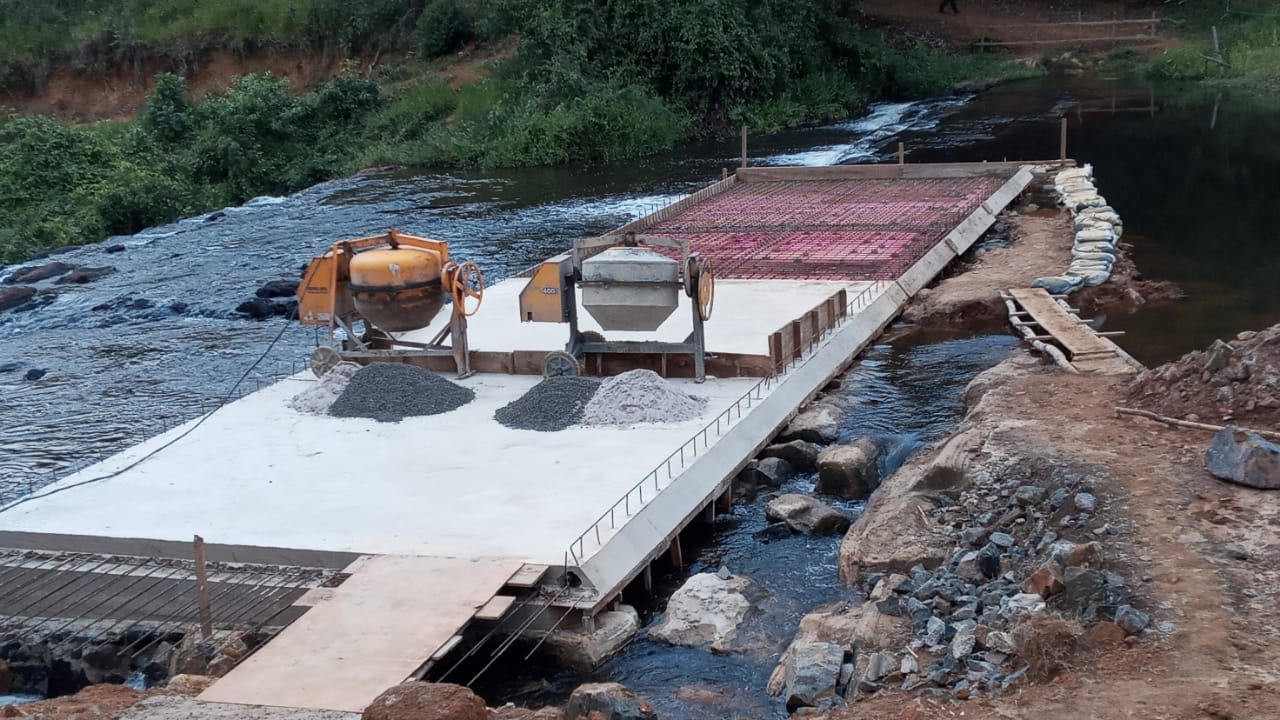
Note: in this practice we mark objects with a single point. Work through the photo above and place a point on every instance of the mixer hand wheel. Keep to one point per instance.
(702, 285)
(465, 281)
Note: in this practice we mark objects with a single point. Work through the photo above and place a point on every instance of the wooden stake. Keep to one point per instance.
(744, 146)
(1062, 147)
(677, 554)
(1187, 423)
(202, 590)
(724, 173)
(647, 578)
(902, 154)
(726, 500)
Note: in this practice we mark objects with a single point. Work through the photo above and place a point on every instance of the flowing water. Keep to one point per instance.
(157, 342)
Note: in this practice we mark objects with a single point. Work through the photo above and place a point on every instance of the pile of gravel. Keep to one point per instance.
(391, 392)
(317, 399)
(551, 405)
(640, 396)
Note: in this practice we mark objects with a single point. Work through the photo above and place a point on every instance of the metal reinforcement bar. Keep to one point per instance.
(670, 468)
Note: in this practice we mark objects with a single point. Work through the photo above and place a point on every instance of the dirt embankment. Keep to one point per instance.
(118, 90)
(1198, 556)
(1041, 242)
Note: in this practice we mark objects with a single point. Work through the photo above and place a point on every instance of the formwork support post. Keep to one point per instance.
(677, 554)
(202, 589)
(647, 578)
(725, 500)
(1062, 144)
(902, 154)
(744, 146)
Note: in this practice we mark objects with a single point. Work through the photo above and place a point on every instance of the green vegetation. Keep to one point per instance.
(1249, 37)
(591, 81)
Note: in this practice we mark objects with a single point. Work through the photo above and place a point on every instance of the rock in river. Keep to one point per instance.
(849, 470)
(802, 455)
(611, 700)
(426, 701)
(806, 515)
(12, 297)
(819, 423)
(706, 612)
(82, 275)
(38, 273)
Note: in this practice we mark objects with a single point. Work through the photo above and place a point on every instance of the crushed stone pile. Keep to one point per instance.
(390, 392)
(1237, 381)
(640, 396)
(553, 404)
(317, 399)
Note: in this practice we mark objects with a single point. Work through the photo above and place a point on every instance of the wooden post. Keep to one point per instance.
(1062, 147)
(202, 590)
(724, 173)
(647, 578)
(744, 146)
(1217, 52)
(677, 554)
(709, 513)
(902, 154)
(726, 500)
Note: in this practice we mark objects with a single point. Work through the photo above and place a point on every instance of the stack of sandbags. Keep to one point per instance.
(1097, 230)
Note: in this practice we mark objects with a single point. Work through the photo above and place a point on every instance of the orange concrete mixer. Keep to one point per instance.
(370, 291)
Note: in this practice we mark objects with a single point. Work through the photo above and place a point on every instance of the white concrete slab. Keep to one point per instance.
(745, 313)
(456, 484)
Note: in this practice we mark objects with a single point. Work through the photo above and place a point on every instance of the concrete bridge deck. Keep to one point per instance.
(599, 503)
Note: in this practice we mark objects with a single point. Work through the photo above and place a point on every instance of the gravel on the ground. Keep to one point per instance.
(553, 404)
(390, 392)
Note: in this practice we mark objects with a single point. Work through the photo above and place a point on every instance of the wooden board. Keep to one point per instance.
(529, 575)
(497, 606)
(1079, 341)
(390, 616)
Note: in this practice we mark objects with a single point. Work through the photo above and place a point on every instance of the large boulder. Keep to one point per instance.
(811, 673)
(849, 470)
(38, 273)
(802, 455)
(514, 712)
(426, 701)
(611, 700)
(12, 297)
(585, 651)
(770, 472)
(806, 515)
(818, 423)
(82, 275)
(706, 611)
(893, 533)
(1244, 458)
(278, 289)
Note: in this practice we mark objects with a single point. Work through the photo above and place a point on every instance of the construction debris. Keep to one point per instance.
(390, 392)
(640, 396)
(553, 404)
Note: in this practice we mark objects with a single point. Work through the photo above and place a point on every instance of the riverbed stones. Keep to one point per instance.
(426, 701)
(12, 297)
(806, 515)
(1244, 458)
(849, 471)
(585, 651)
(1044, 582)
(802, 455)
(769, 472)
(1085, 502)
(819, 423)
(83, 275)
(23, 276)
(277, 289)
(706, 612)
(612, 701)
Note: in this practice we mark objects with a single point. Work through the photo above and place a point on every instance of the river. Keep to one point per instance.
(157, 342)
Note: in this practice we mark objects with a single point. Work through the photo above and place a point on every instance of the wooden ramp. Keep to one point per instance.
(1085, 349)
(373, 632)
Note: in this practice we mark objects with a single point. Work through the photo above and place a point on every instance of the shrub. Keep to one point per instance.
(1045, 643)
(443, 26)
(168, 116)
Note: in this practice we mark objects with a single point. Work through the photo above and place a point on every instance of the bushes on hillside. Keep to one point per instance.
(443, 26)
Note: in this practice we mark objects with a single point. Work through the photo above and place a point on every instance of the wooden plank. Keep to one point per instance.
(497, 606)
(390, 616)
(528, 576)
(1076, 338)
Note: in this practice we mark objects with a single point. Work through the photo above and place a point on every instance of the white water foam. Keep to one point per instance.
(884, 121)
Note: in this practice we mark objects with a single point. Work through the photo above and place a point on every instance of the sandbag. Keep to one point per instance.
(1076, 186)
(1086, 222)
(1095, 247)
(1059, 284)
(1107, 235)
(1103, 257)
(1079, 202)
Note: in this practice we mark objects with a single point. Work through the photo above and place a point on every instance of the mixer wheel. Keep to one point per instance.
(560, 364)
(706, 298)
(324, 359)
(465, 281)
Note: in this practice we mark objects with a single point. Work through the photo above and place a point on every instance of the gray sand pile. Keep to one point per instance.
(316, 399)
(391, 392)
(640, 396)
(551, 405)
